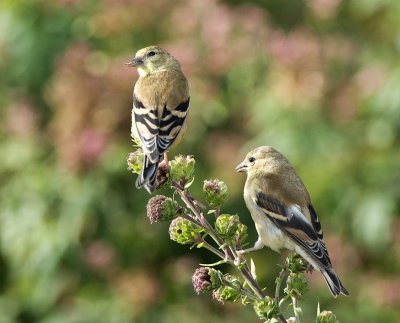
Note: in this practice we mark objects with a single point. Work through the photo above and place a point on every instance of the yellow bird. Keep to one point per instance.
(160, 106)
(281, 208)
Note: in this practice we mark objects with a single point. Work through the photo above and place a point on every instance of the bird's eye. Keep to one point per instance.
(151, 53)
(252, 159)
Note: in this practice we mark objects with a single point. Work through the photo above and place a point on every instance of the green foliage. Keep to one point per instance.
(216, 192)
(319, 80)
(182, 169)
(183, 231)
(161, 208)
(296, 285)
(229, 235)
(230, 229)
(267, 308)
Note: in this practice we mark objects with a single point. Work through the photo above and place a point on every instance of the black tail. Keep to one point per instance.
(147, 176)
(335, 285)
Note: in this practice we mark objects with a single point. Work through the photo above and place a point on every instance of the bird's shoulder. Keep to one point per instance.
(278, 194)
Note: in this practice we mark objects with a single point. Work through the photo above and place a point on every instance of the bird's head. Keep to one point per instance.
(153, 58)
(262, 159)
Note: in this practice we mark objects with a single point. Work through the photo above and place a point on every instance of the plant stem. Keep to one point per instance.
(296, 314)
(212, 249)
(229, 253)
(278, 284)
(191, 219)
(241, 290)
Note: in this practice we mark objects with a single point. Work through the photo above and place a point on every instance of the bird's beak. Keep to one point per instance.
(242, 167)
(135, 62)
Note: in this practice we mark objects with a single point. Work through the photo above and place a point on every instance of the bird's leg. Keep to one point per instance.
(257, 246)
(165, 158)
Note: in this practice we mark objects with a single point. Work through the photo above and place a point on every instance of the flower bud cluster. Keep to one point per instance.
(230, 291)
(296, 264)
(326, 317)
(216, 192)
(135, 161)
(266, 309)
(206, 279)
(182, 169)
(296, 285)
(230, 228)
(162, 208)
(183, 231)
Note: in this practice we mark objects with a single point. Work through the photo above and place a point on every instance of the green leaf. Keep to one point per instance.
(214, 264)
(253, 268)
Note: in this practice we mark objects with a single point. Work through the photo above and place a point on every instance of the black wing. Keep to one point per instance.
(292, 221)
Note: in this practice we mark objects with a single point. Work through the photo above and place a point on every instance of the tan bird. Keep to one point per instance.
(282, 211)
(160, 107)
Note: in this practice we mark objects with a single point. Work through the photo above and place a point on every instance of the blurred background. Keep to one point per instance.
(317, 79)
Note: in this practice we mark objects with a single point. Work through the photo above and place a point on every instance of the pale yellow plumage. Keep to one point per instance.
(160, 107)
(282, 211)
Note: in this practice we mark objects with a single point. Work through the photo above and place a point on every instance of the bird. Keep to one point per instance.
(160, 107)
(281, 209)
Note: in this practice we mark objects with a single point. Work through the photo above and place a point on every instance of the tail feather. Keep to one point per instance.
(335, 285)
(147, 176)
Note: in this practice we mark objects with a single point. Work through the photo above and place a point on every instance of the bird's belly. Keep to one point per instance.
(273, 237)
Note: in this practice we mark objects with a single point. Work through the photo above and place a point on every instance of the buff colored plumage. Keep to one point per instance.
(281, 208)
(160, 107)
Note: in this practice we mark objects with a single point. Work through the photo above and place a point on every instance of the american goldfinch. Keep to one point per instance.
(160, 106)
(282, 211)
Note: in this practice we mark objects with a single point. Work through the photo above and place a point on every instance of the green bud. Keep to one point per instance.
(182, 169)
(274, 320)
(216, 192)
(161, 208)
(296, 264)
(296, 285)
(230, 229)
(135, 161)
(183, 231)
(241, 233)
(266, 309)
(216, 278)
(226, 294)
(326, 317)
